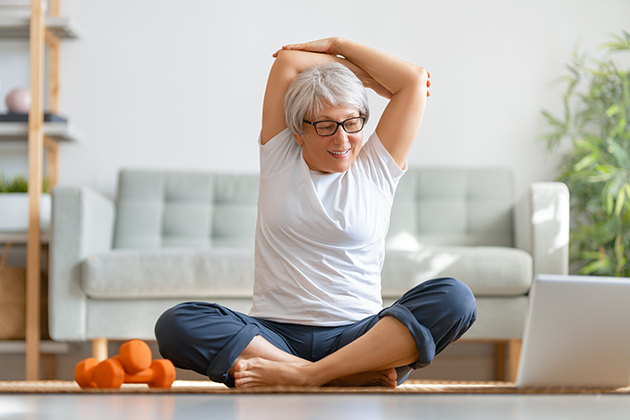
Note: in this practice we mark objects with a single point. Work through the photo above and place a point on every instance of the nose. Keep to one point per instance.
(340, 136)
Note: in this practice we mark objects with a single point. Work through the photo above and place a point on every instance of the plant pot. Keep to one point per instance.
(14, 209)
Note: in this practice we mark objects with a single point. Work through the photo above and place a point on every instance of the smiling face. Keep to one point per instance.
(334, 153)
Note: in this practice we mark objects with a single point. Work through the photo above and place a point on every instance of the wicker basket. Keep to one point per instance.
(13, 301)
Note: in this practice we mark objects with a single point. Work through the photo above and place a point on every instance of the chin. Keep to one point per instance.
(340, 168)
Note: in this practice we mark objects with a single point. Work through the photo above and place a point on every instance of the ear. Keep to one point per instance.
(299, 140)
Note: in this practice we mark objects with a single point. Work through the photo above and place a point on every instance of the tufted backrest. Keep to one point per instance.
(453, 206)
(432, 206)
(185, 209)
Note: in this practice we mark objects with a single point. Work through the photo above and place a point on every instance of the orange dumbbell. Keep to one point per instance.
(109, 374)
(84, 373)
(134, 356)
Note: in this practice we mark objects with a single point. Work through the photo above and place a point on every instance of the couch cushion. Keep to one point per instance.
(488, 271)
(169, 273)
(185, 209)
(454, 206)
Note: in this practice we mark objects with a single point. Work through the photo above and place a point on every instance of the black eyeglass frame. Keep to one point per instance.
(342, 124)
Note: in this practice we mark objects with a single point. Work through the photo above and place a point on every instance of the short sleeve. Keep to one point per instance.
(379, 166)
(278, 152)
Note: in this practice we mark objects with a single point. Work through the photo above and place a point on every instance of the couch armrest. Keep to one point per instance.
(550, 227)
(82, 224)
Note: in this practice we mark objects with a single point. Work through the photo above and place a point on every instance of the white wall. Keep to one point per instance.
(179, 84)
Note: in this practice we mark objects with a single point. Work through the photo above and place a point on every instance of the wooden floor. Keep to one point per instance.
(328, 407)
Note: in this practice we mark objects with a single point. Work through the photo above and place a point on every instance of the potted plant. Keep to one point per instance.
(596, 167)
(14, 204)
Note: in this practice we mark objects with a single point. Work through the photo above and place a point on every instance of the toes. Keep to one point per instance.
(240, 367)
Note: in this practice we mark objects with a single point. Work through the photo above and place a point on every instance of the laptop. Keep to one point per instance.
(577, 333)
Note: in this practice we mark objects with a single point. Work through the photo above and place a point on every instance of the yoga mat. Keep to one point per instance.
(207, 387)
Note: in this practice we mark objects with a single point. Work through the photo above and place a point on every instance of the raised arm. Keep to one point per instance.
(403, 83)
(288, 64)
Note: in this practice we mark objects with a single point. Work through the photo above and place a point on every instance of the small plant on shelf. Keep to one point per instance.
(18, 184)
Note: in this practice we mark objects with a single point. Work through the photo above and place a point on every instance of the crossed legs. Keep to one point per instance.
(369, 360)
(239, 350)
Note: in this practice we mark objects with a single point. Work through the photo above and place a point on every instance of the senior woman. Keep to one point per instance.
(323, 213)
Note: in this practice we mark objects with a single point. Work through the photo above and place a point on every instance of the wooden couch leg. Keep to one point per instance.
(514, 356)
(50, 366)
(499, 361)
(99, 349)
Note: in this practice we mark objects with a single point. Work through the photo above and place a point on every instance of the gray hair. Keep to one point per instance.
(320, 86)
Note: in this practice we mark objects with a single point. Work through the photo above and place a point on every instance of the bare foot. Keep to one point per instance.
(386, 378)
(257, 372)
(240, 359)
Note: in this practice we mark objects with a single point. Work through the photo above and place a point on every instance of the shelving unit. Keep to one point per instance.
(40, 31)
(19, 28)
(21, 238)
(15, 131)
(47, 349)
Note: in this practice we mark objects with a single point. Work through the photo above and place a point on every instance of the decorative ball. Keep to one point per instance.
(19, 100)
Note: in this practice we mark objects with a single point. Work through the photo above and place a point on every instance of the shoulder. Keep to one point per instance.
(278, 151)
(374, 152)
(375, 163)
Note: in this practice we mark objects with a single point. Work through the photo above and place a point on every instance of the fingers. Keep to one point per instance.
(326, 46)
(301, 47)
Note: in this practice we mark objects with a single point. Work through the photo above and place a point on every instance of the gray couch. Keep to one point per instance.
(181, 236)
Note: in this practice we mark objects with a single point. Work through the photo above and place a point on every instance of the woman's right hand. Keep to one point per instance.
(326, 46)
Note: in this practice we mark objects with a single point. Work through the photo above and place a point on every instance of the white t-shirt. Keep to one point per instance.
(320, 237)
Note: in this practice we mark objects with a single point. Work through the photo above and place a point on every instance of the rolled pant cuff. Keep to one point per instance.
(421, 334)
(221, 364)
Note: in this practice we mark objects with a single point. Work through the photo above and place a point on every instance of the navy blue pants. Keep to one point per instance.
(207, 337)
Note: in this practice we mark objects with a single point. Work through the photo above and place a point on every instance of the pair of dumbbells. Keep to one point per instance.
(133, 364)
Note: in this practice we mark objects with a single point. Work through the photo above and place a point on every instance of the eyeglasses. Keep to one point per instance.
(328, 128)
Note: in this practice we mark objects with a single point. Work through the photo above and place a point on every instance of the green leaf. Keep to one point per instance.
(609, 204)
(602, 173)
(590, 144)
(622, 43)
(612, 110)
(621, 154)
(621, 126)
(599, 178)
(596, 266)
(585, 162)
(592, 255)
(619, 248)
(621, 198)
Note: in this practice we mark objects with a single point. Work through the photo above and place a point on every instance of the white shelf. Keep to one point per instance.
(19, 28)
(20, 238)
(46, 347)
(18, 131)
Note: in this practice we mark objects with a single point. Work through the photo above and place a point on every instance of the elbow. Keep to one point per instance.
(283, 59)
(419, 81)
(420, 77)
